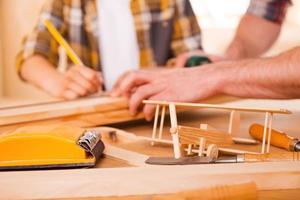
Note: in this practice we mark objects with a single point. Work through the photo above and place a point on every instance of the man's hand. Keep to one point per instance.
(123, 88)
(275, 77)
(78, 81)
(181, 60)
(172, 85)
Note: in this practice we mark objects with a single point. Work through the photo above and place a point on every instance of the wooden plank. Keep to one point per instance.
(82, 120)
(145, 180)
(262, 194)
(245, 191)
(29, 113)
(190, 135)
(133, 158)
(222, 107)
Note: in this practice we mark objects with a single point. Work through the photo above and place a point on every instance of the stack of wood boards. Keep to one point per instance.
(82, 112)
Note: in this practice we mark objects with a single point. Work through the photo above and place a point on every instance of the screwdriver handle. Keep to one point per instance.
(278, 139)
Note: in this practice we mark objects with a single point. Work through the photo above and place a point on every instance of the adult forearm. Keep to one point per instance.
(254, 36)
(276, 77)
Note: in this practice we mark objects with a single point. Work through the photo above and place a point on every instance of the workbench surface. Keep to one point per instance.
(287, 123)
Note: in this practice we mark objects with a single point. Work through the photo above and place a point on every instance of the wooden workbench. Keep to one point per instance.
(38, 181)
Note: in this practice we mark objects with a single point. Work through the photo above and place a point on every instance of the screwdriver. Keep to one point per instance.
(278, 139)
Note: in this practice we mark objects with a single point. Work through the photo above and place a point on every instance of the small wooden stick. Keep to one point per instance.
(265, 132)
(201, 146)
(189, 152)
(155, 124)
(269, 133)
(234, 123)
(162, 118)
(175, 137)
(216, 106)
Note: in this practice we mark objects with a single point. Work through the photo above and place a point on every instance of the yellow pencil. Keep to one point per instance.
(57, 36)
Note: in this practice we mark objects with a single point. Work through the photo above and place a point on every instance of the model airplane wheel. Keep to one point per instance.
(212, 151)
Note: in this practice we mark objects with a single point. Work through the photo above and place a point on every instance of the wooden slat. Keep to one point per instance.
(190, 135)
(82, 120)
(221, 107)
(29, 113)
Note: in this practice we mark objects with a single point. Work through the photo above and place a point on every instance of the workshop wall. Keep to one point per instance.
(17, 19)
(1, 64)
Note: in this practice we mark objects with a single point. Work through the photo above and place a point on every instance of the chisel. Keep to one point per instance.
(278, 139)
(240, 158)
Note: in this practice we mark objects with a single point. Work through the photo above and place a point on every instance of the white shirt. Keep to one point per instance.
(118, 44)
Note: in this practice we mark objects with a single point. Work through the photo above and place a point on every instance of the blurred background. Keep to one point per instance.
(218, 20)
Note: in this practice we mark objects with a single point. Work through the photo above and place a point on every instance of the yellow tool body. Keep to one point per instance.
(45, 147)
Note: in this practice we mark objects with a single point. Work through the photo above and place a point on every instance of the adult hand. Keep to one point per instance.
(124, 86)
(181, 60)
(78, 81)
(188, 85)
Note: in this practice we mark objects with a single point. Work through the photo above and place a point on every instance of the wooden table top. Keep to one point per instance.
(287, 123)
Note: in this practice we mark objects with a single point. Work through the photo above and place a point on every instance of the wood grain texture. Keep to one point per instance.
(28, 113)
(190, 135)
(246, 191)
(145, 180)
(89, 119)
(262, 195)
(85, 183)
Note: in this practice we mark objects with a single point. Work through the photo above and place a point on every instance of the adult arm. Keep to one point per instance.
(276, 77)
(254, 36)
(258, 29)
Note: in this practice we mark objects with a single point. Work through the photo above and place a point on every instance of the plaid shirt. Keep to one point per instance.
(164, 29)
(272, 10)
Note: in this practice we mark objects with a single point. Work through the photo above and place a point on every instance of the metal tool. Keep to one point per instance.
(192, 160)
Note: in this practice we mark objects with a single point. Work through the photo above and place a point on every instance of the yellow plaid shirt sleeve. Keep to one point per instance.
(40, 41)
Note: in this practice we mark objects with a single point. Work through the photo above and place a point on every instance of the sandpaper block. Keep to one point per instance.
(46, 147)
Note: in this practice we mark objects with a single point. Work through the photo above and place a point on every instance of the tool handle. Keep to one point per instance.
(278, 139)
(249, 157)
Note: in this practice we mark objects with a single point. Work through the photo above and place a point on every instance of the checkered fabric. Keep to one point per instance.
(272, 10)
(164, 28)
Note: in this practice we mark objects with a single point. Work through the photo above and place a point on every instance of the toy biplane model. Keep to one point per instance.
(205, 140)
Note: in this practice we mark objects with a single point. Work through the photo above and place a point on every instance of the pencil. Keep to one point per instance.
(58, 37)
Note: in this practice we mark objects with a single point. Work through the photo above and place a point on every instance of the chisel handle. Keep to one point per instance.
(278, 139)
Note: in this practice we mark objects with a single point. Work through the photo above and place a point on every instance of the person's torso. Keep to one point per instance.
(117, 40)
(153, 22)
